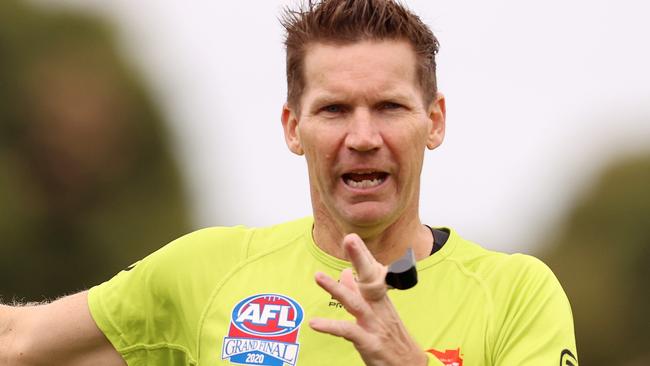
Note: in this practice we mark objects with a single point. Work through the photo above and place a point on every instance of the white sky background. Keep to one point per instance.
(540, 96)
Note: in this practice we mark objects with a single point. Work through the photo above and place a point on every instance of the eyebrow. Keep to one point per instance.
(327, 99)
(381, 96)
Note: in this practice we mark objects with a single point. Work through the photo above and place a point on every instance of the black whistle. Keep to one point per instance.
(402, 273)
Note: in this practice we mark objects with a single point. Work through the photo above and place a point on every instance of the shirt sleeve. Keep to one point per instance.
(533, 323)
(150, 311)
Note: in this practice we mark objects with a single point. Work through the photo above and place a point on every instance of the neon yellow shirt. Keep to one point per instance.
(224, 296)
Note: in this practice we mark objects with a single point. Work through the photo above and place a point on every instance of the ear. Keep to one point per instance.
(437, 114)
(290, 126)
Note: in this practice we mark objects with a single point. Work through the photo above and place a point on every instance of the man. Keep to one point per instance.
(362, 108)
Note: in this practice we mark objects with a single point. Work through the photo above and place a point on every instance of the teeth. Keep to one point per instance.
(364, 183)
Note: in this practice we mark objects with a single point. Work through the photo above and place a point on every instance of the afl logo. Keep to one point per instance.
(267, 315)
(264, 331)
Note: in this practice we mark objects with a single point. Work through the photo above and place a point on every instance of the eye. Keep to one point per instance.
(333, 108)
(390, 105)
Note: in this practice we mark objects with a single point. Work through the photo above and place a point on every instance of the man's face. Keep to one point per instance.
(363, 127)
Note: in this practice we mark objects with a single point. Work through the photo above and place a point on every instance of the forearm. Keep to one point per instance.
(29, 336)
(16, 344)
(32, 334)
(7, 334)
(59, 333)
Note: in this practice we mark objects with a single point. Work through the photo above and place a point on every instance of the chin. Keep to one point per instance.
(366, 214)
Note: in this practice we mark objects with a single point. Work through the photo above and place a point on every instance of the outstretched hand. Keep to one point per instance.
(378, 333)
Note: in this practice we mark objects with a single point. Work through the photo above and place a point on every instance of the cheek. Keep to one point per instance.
(407, 142)
(317, 157)
(408, 152)
(319, 145)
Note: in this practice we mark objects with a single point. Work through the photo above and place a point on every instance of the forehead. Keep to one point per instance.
(367, 67)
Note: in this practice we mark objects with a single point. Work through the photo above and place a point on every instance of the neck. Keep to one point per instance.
(387, 243)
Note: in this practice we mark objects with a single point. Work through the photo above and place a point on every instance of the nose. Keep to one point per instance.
(363, 134)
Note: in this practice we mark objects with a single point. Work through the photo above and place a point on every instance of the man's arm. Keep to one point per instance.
(59, 333)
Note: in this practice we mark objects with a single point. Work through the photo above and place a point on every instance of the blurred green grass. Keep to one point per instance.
(88, 183)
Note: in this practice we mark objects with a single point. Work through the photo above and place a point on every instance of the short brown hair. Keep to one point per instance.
(350, 21)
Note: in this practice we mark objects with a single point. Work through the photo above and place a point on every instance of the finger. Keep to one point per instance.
(339, 328)
(362, 260)
(347, 279)
(351, 300)
(372, 274)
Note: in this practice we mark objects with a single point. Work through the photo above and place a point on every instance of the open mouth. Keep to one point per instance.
(364, 179)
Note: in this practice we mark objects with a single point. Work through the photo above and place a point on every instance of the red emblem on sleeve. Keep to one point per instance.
(450, 357)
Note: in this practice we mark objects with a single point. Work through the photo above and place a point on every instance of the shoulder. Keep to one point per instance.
(530, 313)
(510, 281)
(233, 243)
(495, 267)
(216, 250)
(270, 238)
(204, 256)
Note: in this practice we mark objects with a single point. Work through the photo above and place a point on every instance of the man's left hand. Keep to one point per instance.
(378, 333)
